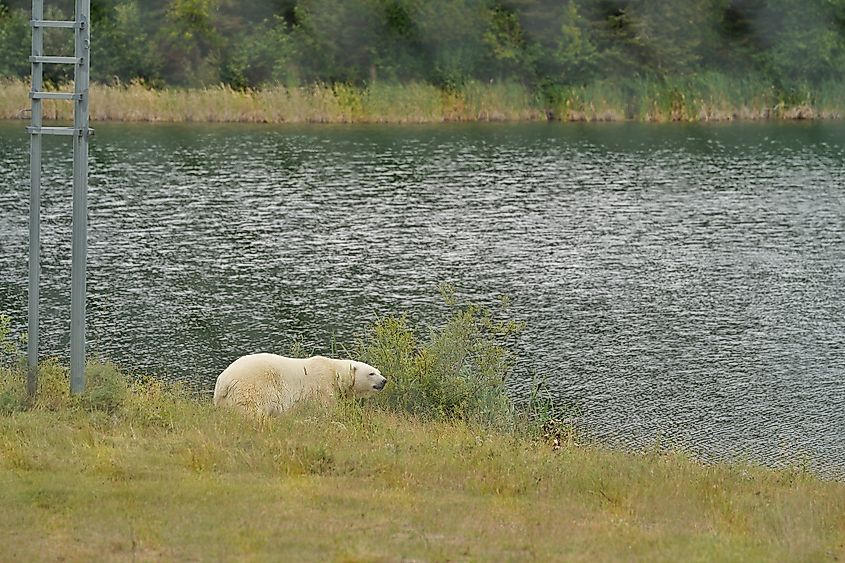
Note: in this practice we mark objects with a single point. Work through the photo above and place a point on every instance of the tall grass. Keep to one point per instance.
(701, 97)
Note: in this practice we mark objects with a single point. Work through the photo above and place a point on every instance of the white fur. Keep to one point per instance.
(268, 384)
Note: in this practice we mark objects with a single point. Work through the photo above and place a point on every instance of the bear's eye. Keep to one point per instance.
(372, 373)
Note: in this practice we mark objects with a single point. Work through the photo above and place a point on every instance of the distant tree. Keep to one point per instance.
(737, 44)
(506, 40)
(122, 48)
(673, 37)
(791, 43)
(336, 39)
(452, 36)
(653, 36)
(189, 43)
(259, 56)
(240, 16)
(574, 55)
(559, 42)
(15, 42)
(399, 52)
(805, 39)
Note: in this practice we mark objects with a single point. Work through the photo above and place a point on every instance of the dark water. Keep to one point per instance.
(680, 282)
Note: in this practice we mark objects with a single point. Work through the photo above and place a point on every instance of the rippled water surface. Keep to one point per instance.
(679, 282)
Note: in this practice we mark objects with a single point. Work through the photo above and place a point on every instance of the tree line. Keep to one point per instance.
(540, 43)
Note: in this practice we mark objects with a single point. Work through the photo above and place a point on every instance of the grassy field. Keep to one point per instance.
(697, 98)
(144, 471)
(440, 466)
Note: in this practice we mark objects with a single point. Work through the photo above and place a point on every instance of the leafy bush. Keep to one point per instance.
(457, 373)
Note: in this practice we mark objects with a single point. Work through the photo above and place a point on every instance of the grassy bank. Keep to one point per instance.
(145, 471)
(699, 98)
(438, 467)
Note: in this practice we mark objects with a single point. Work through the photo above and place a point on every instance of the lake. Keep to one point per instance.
(680, 283)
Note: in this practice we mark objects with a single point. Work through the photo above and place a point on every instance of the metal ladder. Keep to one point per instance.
(80, 134)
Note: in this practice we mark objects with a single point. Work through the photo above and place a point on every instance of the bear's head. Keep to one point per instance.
(363, 379)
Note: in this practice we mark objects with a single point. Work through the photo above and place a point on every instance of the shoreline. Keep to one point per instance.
(418, 103)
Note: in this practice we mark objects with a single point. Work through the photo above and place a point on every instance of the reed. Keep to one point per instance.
(704, 97)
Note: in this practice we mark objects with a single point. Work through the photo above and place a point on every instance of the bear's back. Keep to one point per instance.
(269, 383)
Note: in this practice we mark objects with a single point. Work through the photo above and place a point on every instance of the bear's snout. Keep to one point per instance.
(380, 385)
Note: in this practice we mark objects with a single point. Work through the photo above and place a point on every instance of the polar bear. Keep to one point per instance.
(268, 384)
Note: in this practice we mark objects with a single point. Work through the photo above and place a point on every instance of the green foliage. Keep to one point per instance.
(545, 45)
(335, 39)
(123, 48)
(560, 43)
(572, 53)
(505, 40)
(106, 388)
(12, 393)
(456, 373)
(452, 39)
(672, 36)
(11, 349)
(191, 42)
(805, 39)
(15, 42)
(260, 58)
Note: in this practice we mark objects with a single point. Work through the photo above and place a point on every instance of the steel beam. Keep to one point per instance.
(53, 96)
(51, 23)
(52, 59)
(35, 203)
(66, 131)
(79, 251)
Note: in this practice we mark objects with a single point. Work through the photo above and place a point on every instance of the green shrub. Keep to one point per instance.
(457, 373)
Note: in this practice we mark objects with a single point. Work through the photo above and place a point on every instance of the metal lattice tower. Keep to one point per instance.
(80, 134)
